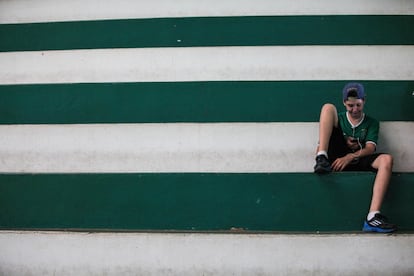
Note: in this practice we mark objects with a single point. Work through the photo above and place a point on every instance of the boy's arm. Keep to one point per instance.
(340, 163)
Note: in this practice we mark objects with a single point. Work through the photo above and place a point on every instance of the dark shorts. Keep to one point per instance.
(338, 148)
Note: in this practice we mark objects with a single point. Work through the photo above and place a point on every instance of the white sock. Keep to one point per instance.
(322, 152)
(372, 214)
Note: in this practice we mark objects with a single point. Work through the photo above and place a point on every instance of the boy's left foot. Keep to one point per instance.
(378, 223)
(322, 165)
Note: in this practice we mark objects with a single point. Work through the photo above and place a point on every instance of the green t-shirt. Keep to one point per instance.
(366, 131)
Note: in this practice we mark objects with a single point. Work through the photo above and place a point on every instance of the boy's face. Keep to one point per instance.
(354, 107)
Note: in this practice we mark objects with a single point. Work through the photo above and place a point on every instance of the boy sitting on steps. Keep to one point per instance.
(347, 142)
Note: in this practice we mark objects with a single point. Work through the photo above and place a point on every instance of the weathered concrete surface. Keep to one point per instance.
(66, 253)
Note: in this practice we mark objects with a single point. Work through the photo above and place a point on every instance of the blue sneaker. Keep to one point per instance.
(378, 223)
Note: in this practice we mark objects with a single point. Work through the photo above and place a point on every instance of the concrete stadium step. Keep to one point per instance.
(298, 202)
(71, 253)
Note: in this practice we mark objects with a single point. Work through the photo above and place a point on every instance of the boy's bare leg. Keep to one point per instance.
(327, 121)
(375, 221)
(383, 164)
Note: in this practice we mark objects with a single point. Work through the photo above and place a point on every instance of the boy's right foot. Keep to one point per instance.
(322, 164)
(380, 224)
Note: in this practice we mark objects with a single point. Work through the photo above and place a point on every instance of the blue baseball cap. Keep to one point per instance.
(353, 90)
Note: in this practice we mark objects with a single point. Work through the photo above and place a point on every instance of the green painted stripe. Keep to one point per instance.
(249, 101)
(257, 202)
(210, 31)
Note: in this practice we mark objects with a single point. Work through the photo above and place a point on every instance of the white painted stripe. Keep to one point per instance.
(209, 64)
(63, 253)
(177, 147)
(21, 11)
(397, 138)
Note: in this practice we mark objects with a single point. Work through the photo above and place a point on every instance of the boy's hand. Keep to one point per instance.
(340, 163)
(352, 143)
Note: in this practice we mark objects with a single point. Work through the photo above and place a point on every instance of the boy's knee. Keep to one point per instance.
(329, 114)
(329, 107)
(389, 159)
(386, 160)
